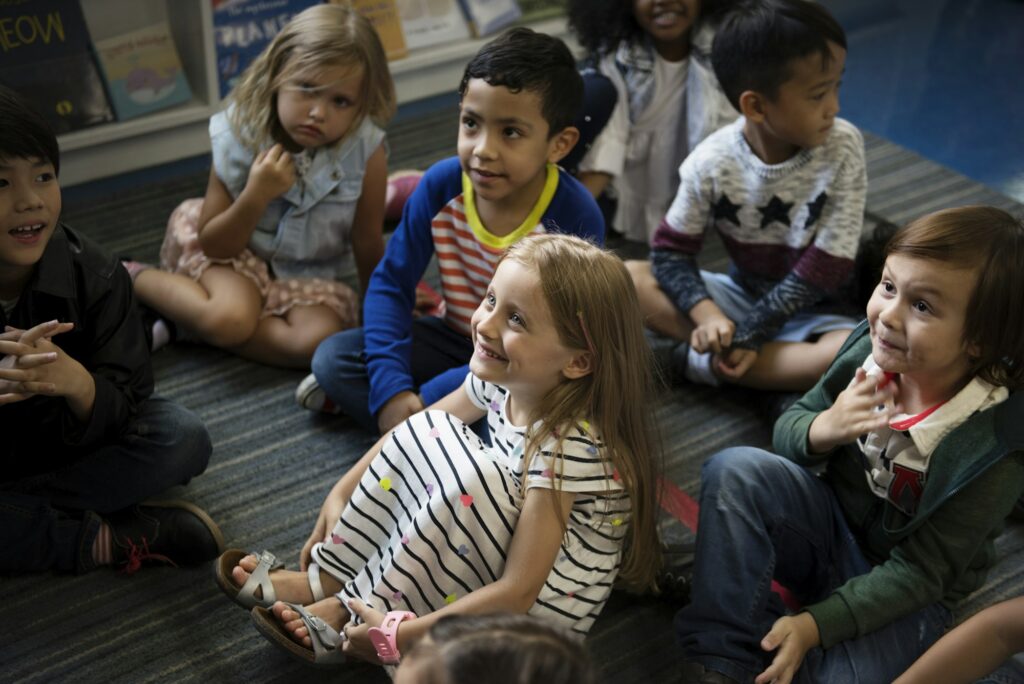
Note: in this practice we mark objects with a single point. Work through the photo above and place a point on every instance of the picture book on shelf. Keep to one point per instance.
(242, 28)
(431, 22)
(383, 14)
(143, 71)
(45, 55)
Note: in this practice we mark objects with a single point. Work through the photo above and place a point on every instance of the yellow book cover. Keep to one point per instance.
(383, 14)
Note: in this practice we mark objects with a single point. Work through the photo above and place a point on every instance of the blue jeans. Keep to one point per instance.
(49, 521)
(763, 517)
(339, 365)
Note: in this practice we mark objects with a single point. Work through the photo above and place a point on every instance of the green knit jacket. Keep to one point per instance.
(945, 550)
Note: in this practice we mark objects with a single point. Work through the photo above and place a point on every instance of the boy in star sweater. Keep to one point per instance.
(784, 186)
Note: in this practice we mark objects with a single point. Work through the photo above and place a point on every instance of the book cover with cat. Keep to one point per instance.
(143, 71)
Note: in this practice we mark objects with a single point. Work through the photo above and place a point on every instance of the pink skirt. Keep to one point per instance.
(182, 254)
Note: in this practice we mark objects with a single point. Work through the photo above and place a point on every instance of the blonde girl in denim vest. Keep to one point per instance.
(269, 262)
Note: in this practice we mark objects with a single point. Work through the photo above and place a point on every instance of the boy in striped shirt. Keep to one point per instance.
(519, 97)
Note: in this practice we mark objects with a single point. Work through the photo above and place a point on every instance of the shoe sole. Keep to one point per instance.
(194, 510)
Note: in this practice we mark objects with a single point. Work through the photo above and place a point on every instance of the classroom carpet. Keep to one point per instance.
(273, 463)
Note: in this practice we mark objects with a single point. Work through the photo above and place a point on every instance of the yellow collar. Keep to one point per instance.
(529, 223)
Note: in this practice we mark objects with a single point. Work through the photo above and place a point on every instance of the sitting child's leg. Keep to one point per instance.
(222, 308)
(660, 314)
(290, 340)
(793, 366)
(166, 445)
(761, 517)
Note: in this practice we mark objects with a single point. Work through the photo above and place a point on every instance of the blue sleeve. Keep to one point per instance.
(391, 295)
(442, 385)
(573, 211)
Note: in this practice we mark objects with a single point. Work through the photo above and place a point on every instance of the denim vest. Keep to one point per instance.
(304, 233)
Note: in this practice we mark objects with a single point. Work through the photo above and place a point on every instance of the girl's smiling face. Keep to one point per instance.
(515, 341)
(917, 315)
(668, 23)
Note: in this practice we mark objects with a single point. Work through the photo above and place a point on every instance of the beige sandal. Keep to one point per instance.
(245, 595)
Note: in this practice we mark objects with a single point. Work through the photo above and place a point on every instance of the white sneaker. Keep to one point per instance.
(310, 395)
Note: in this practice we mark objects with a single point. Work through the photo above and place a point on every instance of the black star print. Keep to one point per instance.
(775, 210)
(724, 209)
(814, 209)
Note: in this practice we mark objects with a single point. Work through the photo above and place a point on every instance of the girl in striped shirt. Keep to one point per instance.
(432, 521)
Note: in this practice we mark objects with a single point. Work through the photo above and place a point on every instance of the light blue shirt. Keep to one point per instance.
(306, 232)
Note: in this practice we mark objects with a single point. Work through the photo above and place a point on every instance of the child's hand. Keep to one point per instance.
(735, 363)
(794, 636)
(714, 334)
(397, 409)
(358, 642)
(854, 413)
(272, 173)
(26, 353)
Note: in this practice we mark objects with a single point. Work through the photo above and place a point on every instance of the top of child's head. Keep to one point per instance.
(501, 648)
(323, 73)
(526, 62)
(782, 61)
(30, 200)
(24, 133)
(965, 264)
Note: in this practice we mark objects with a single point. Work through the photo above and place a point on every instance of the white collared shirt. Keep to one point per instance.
(896, 461)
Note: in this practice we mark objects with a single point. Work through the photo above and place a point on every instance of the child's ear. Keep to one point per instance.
(973, 350)
(562, 143)
(752, 106)
(580, 365)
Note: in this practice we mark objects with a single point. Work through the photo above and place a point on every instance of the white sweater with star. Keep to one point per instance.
(791, 230)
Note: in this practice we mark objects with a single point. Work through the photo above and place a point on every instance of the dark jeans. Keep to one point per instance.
(339, 365)
(763, 517)
(49, 521)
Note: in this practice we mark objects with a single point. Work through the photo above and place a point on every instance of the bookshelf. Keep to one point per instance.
(181, 131)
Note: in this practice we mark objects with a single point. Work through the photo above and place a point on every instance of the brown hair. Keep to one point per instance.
(992, 242)
(318, 37)
(502, 649)
(594, 308)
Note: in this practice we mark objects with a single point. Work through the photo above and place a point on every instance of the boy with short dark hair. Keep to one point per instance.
(83, 442)
(519, 96)
(785, 187)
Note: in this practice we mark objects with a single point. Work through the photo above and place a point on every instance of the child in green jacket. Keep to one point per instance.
(919, 430)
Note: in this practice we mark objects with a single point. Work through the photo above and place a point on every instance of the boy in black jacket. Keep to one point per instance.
(82, 441)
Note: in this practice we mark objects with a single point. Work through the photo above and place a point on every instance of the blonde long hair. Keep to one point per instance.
(594, 308)
(319, 37)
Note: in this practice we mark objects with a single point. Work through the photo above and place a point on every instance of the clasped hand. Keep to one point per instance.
(715, 335)
(32, 364)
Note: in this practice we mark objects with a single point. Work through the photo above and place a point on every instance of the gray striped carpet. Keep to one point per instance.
(273, 463)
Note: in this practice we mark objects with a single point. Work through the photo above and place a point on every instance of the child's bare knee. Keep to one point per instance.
(226, 328)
